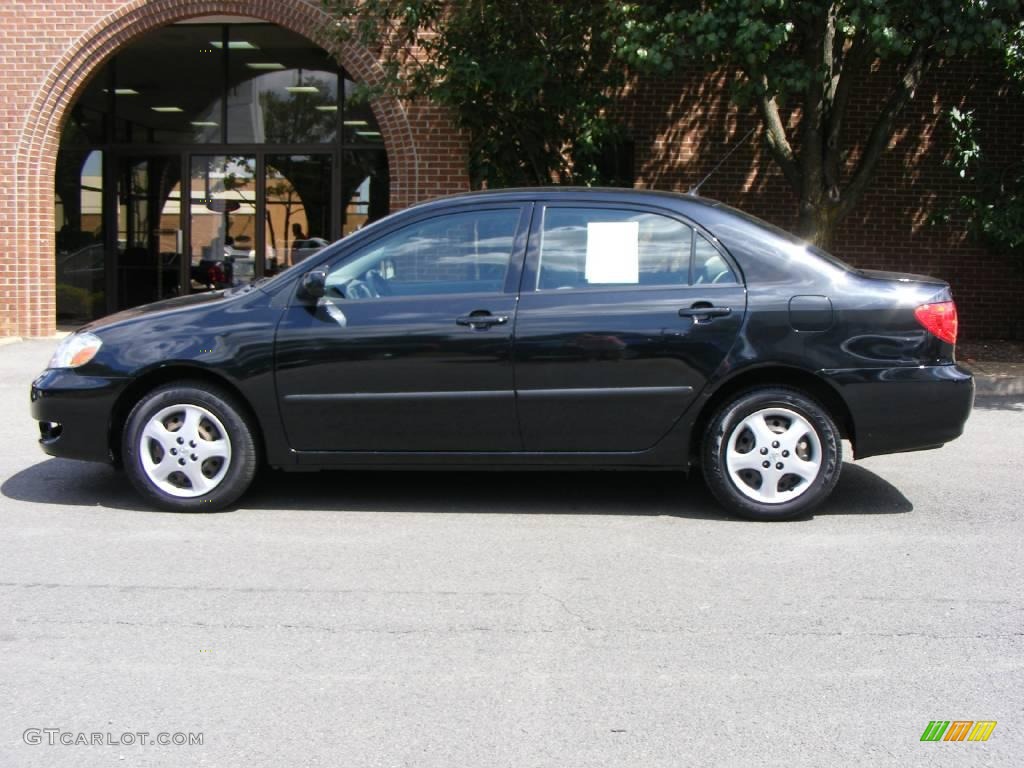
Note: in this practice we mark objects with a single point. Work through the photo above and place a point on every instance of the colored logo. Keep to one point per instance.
(958, 730)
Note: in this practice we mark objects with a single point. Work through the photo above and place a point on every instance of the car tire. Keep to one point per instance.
(771, 453)
(189, 447)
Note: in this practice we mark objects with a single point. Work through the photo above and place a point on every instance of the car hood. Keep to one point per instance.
(159, 307)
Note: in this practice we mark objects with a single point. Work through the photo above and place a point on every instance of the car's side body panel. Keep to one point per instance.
(613, 368)
(610, 378)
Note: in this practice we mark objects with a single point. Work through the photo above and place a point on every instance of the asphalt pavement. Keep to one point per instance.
(479, 619)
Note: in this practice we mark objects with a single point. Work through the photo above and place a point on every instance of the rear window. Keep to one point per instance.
(791, 238)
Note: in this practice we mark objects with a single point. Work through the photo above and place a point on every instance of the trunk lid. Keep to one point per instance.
(901, 277)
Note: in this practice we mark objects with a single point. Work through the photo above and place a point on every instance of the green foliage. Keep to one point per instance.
(807, 55)
(770, 37)
(994, 202)
(528, 81)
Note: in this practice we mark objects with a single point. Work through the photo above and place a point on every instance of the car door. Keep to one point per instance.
(410, 348)
(624, 314)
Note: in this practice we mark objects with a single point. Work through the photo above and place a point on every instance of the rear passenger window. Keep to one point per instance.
(708, 264)
(583, 247)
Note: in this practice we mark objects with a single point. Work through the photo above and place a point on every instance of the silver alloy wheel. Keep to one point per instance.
(185, 450)
(773, 455)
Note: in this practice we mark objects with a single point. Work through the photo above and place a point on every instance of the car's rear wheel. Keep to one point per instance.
(771, 453)
(189, 448)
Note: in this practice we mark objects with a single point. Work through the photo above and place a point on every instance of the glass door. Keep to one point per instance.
(226, 247)
(246, 215)
(298, 221)
(80, 238)
(148, 235)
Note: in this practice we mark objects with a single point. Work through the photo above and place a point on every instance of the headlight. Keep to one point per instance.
(75, 350)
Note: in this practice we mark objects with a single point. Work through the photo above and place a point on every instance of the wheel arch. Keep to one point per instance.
(774, 375)
(169, 374)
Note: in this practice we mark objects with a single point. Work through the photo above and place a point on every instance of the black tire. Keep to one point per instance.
(729, 419)
(241, 441)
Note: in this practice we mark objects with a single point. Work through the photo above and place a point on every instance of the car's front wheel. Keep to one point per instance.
(189, 448)
(771, 453)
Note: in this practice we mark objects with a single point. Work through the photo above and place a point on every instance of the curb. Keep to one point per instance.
(8, 340)
(987, 385)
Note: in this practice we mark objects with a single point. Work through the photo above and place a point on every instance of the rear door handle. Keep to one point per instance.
(705, 313)
(481, 319)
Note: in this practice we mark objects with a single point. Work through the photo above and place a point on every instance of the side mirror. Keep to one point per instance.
(314, 284)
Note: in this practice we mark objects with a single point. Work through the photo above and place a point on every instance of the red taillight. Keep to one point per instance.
(939, 319)
(216, 274)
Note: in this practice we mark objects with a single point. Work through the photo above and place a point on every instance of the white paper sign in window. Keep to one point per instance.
(613, 252)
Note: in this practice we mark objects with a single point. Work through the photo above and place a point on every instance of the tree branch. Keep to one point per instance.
(884, 127)
(838, 97)
(775, 134)
(818, 40)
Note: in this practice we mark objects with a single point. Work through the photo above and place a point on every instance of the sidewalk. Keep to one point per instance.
(998, 379)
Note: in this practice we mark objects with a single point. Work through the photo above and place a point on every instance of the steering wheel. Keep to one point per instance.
(357, 289)
(375, 280)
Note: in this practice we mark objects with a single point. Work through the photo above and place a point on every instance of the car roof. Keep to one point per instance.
(675, 200)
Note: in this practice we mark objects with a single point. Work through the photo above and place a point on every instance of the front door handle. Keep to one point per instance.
(481, 319)
(702, 312)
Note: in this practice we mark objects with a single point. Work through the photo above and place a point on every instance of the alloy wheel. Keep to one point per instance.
(773, 455)
(185, 450)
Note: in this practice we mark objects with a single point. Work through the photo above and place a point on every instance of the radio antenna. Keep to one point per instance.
(695, 189)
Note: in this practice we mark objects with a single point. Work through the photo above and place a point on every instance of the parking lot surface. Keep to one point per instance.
(485, 619)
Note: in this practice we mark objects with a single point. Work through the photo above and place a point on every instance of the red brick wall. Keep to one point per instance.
(49, 49)
(683, 126)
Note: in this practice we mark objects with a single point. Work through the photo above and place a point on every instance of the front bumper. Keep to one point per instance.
(74, 413)
(904, 409)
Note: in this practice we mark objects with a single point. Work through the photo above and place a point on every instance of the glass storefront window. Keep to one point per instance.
(168, 88)
(148, 237)
(359, 125)
(281, 90)
(298, 195)
(365, 188)
(206, 154)
(223, 221)
(78, 220)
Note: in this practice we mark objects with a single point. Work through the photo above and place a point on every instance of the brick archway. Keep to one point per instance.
(36, 153)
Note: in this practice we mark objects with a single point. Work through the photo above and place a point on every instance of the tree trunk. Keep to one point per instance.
(819, 222)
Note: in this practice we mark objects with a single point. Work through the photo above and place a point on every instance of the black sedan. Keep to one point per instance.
(524, 329)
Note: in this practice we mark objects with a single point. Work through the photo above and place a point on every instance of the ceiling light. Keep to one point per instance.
(122, 91)
(167, 109)
(266, 65)
(370, 134)
(302, 89)
(327, 108)
(235, 45)
(204, 123)
(355, 123)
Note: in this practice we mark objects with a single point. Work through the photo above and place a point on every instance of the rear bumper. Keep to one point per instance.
(906, 408)
(74, 413)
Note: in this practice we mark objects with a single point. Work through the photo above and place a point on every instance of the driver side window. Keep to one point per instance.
(450, 254)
